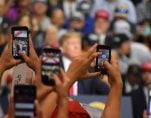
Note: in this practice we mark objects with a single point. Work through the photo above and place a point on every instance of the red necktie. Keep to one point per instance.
(71, 91)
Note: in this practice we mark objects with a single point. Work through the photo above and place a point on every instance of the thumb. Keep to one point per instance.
(107, 65)
(25, 57)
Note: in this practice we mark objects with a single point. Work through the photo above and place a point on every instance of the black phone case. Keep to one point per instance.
(45, 80)
(17, 28)
(24, 90)
(97, 67)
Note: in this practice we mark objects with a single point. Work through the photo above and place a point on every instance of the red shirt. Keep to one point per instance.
(75, 111)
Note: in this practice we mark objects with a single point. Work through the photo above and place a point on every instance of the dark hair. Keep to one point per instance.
(55, 9)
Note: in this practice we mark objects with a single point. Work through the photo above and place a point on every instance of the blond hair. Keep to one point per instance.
(68, 35)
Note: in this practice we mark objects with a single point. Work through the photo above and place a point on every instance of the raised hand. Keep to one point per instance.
(32, 60)
(6, 60)
(112, 107)
(62, 89)
(114, 76)
(79, 66)
(35, 64)
(61, 84)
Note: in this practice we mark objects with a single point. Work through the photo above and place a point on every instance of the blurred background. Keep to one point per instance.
(124, 25)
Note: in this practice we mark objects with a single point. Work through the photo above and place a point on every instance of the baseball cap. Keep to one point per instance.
(77, 16)
(84, 7)
(91, 38)
(118, 40)
(102, 14)
(146, 67)
(122, 27)
(121, 10)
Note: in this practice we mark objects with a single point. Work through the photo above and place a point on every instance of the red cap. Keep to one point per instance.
(102, 14)
(146, 67)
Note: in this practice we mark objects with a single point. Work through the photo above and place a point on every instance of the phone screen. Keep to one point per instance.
(24, 101)
(104, 55)
(50, 65)
(20, 41)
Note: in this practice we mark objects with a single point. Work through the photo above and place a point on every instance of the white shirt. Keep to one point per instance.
(102, 39)
(140, 54)
(45, 23)
(123, 64)
(129, 88)
(145, 89)
(69, 8)
(66, 64)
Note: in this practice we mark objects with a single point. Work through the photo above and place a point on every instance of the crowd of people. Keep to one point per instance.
(75, 27)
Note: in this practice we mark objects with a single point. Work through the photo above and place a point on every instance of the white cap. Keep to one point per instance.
(122, 26)
(77, 15)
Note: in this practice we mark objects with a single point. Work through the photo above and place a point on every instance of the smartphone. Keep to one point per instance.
(50, 65)
(24, 101)
(149, 103)
(104, 55)
(20, 35)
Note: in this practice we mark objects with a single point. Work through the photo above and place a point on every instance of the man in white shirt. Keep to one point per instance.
(129, 52)
(71, 48)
